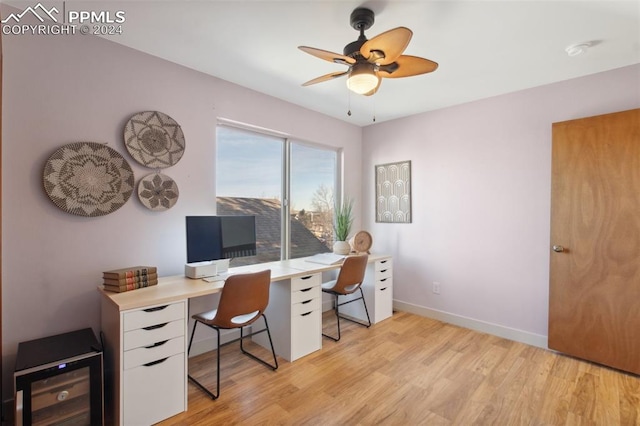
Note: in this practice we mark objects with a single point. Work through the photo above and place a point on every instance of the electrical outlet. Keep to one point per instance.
(436, 287)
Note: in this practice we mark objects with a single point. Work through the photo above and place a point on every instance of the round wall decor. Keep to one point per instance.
(158, 192)
(154, 139)
(88, 179)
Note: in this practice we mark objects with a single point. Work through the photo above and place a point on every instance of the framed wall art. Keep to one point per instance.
(393, 192)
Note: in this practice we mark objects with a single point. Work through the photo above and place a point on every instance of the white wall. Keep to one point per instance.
(481, 177)
(59, 90)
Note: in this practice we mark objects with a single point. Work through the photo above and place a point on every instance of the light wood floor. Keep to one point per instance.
(409, 370)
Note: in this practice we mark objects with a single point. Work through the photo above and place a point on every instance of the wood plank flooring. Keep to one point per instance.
(410, 370)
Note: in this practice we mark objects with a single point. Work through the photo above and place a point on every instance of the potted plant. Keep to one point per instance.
(342, 220)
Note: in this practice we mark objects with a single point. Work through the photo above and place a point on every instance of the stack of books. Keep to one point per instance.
(132, 278)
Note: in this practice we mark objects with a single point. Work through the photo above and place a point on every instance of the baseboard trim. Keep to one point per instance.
(473, 324)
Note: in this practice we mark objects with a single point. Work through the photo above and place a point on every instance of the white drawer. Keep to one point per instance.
(154, 333)
(307, 281)
(305, 294)
(153, 316)
(383, 273)
(383, 283)
(146, 355)
(384, 264)
(155, 392)
(306, 334)
(383, 303)
(303, 308)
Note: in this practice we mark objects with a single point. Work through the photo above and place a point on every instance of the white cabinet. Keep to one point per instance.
(295, 317)
(146, 353)
(379, 278)
(378, 293)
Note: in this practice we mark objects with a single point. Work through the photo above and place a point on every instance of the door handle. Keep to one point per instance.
(558, 248)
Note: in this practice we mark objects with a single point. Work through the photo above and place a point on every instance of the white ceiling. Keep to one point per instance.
(484, 48)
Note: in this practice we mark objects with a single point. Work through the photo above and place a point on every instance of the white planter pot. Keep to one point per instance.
(341, 247)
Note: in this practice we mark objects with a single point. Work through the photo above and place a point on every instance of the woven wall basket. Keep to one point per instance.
(154, 139)
(158, 192)
(88, 179)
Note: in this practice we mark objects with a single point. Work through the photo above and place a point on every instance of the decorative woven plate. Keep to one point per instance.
(88, 179)
(158, 192)
(154, 139)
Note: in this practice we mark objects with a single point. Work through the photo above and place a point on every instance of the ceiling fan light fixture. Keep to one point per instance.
(362, 78)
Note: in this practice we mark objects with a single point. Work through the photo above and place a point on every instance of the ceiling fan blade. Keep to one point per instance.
(325, 78)
(328, 56)
(385, 48)
(406, 66)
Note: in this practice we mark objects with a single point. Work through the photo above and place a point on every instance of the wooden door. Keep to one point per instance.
(594, 294)
(1, 357)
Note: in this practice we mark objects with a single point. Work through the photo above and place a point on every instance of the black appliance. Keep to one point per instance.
(58, 380)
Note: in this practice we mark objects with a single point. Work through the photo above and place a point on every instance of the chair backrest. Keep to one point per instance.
(243, 299)
(351, 274)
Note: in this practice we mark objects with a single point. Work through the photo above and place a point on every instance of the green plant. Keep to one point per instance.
(342, 219)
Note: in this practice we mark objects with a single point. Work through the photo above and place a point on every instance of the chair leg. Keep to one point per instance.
(191, 339)
(366, 311)
(335, 304)
(338, 316)
(197, 383)
(273, 366)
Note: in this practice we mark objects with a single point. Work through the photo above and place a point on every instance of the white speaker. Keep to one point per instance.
(200, 269)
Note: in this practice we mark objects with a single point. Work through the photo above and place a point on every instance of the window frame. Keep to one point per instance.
(285, 190)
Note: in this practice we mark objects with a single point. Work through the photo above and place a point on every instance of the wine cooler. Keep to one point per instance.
(58, 380)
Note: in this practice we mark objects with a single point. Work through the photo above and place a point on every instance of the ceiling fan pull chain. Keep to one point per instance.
(349, 102)
(374, 110)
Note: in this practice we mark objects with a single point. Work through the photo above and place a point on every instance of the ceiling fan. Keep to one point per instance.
(371, 60)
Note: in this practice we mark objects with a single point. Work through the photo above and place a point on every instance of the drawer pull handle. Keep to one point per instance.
(383, 270)
(307, 301)
(154, 327)
(304, 315)
(155, 345)
(307, 277)
(383, 280)
(152, 363)
(304, 290)
(383, 261)
(157, 308)
(383, 289)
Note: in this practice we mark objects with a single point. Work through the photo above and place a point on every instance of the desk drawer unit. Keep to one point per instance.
(148, 361)
(378, 292)
(306, 315)
(295, 317)
(153, 363)
(154, 391)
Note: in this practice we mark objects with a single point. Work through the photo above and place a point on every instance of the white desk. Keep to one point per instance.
(145, 331)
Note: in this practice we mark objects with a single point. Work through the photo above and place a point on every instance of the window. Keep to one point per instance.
(313, 181)
(255, 172)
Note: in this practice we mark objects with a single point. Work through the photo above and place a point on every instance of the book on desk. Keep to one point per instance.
(326, 258)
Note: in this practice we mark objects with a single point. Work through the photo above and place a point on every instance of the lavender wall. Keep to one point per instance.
(59, 90)
(481, 201)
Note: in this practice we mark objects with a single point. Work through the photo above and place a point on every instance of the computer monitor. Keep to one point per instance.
(220, 237)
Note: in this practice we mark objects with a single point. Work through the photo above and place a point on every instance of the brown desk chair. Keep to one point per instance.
(349, 281)
(243, 300)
